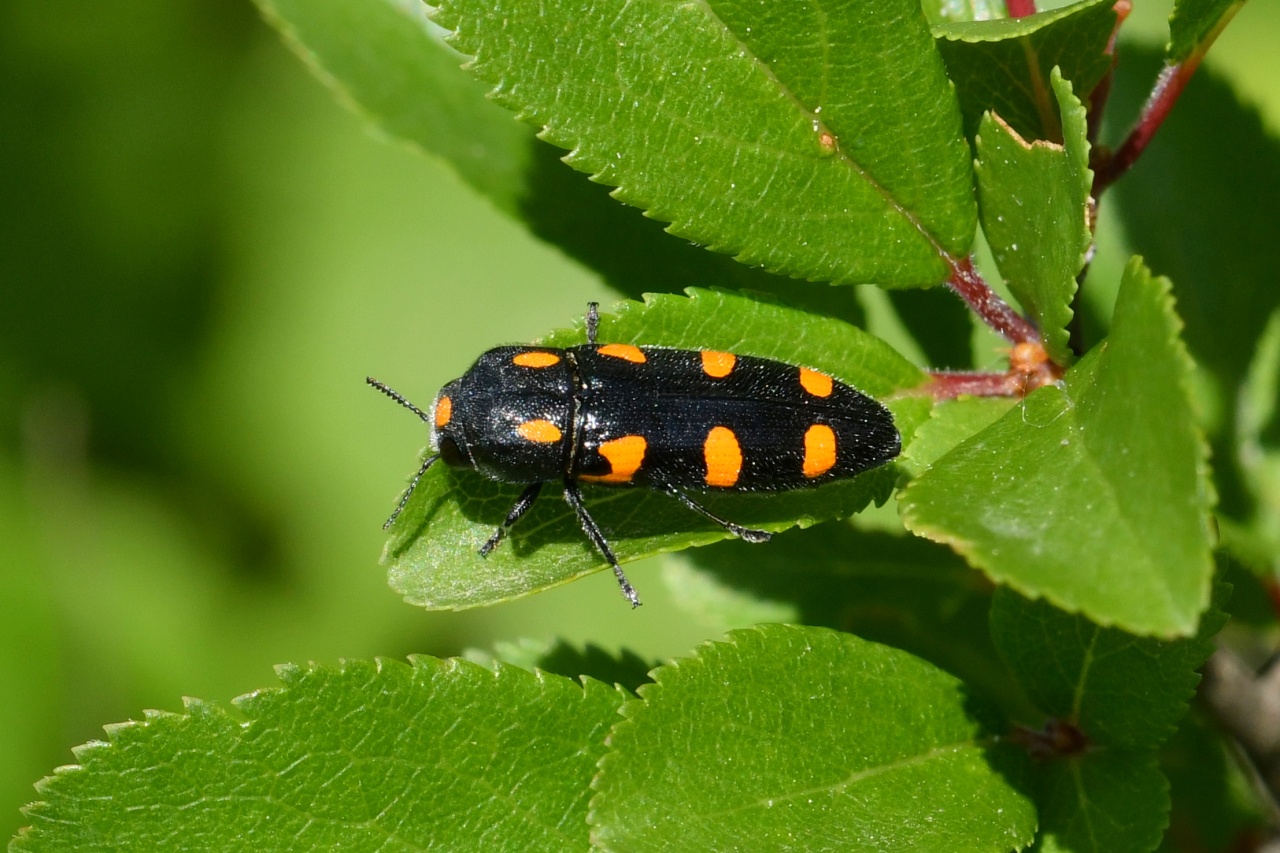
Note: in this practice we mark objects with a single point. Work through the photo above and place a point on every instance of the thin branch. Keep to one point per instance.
(1172, 80)
(1247, 707)
(1169, 85)
(1029, 368)
(1102, 91)
(1093, 124)
(947, 385)
(987, 304)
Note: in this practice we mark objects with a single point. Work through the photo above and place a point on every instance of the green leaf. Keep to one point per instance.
(1257, 445)
(385, 60)
(1204, 219)
(1092, 494)
(951, 422)
(818, 143)
(635, 255)
(384, 57)
(1120, 690)
(1207, 221)
(1004, 66)
(893, 589)
(440, 754)
(625, 668)
(1195, 24)
(433, 549)
(783, 733)
(1102, 802)
(1033, 200)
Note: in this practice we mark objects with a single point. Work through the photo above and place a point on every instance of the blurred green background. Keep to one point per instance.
(202, 254)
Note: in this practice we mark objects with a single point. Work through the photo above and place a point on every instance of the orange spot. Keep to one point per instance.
(543, 432)
(717, 365)
(817, 384)
(536, 358)
(625, 456)
(819, 450)
(626, 352)
(444, 411)
(723, 457)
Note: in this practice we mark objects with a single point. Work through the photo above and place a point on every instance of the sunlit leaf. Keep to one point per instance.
(1033, 199)
(820, 143)
(783, 733)
(951, 422)
(440, 754)
(385, 59)
(1077, 495)
(1206, 221)
(560, 657)
(1004, 65)
(893, 589)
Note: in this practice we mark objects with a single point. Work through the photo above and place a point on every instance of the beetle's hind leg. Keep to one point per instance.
(522, 504)
(573, 497)
(749, 534)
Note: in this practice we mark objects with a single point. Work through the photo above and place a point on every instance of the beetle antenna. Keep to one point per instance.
(426, 463)
(399, 398)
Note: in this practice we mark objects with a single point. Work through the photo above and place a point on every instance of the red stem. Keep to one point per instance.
(948, 386)
(1020, 8)
(1058, 739)
(1273, 594)
(1173, 79)
(988, 305)
(1101, 92)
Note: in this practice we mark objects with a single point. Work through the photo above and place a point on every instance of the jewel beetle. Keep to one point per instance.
(672, 420)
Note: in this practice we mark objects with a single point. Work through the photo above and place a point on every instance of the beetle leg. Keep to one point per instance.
(574, 498)
(522, 504)
(408, 493)
(593, 321)
(748, 534)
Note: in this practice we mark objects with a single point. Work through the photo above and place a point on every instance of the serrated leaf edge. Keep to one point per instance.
(547, 131)
(974, 557)
(242, 713)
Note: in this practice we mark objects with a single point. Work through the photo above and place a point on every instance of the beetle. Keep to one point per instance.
(672, 420)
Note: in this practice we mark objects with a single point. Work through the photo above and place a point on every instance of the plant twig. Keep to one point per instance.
(1247, 707)
(1102, 91)
(1029, 369)
(1169, 85)
(1093, 124)
(988, 305)
(947, 385)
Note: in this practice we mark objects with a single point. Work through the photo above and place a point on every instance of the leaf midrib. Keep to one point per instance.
(857, 168)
